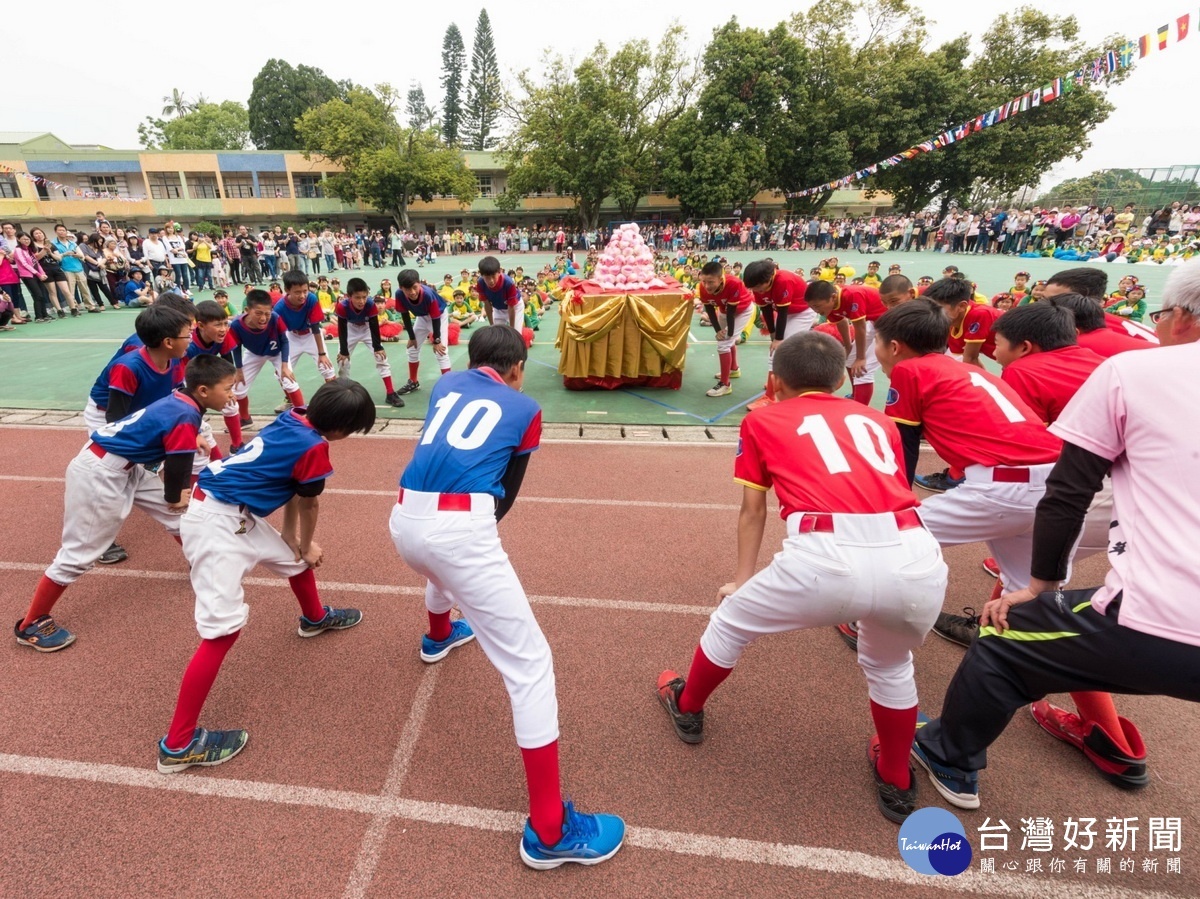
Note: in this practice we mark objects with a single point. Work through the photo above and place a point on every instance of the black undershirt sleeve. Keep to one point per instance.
(768, 316)
(177, 475)
(781, 322)
(237, 355)
(408, 324)
(730, 320)
(118, 406)
(376, 340)
(436, 322)
(311, 489)
(910, 437)
(1076, 478)
(343, 327)
(712, 316)
(514, 474)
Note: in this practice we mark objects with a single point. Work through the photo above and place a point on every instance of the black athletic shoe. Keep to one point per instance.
(895, 803)
(394, 399)
(409, 387)
(939, 482)
(689, 726)
(849, 633)
(114, 554)
(960, 629)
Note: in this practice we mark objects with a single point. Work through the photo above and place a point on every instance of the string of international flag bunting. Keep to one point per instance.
(1100, 67)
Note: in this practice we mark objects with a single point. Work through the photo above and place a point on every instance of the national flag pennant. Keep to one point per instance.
(990, 119)
(1162, 37)
(1001, 112)
(1127, 51)
(1110, 61)
(1097, 68)
(1048, 94)
(1181, 25)
(1035, 99)
(1023, 103)
(977, 125)
(927, 145)
(1145, 45)
(1057, 84)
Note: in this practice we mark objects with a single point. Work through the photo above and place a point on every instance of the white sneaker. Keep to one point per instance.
(720, 390)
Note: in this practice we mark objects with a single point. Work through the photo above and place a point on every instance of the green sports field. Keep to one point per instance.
(52, 366)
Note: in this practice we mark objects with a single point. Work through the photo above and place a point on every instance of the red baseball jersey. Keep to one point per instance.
(970, 416)
(733, 295)
(823, 453)
(976, 328)
(1047, 381)
(1130, 328)
(1106, 343)
(787, 290)
(855, 303)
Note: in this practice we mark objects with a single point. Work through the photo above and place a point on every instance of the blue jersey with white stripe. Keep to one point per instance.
(99, 391)
(135, 375)
(301, 319)
(149, 435)
(270, 341)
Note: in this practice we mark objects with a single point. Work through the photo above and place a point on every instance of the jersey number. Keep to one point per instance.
(468, 417)
(248, 453)
(1011, 412)
(114, 428)
(870, 441)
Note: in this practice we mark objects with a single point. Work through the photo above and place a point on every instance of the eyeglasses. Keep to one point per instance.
(1159, 314)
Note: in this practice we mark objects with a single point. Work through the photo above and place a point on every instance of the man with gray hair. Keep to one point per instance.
(1043, 639)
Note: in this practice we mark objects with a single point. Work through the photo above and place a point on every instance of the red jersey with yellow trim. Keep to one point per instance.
(823, 453)
(734, 295)
(969, 416)
(856, 303)
(1105, 342)
(1047, 381)
(976, 328)
(1130, 329)
(787, 290)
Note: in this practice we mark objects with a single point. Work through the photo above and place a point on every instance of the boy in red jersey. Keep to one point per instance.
(730, 306)
(858, 307)
(836, 469)
(780, 293)
(1093, 284)
(1094, 333)
(970, 322)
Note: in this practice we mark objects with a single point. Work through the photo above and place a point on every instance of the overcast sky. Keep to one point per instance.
(140, 57)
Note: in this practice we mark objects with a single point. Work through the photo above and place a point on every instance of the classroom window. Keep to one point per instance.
(203, 186)
(484, 183)
(164, 185)
(8, 187)
(238, 185)
(309, 187)
(274, 185)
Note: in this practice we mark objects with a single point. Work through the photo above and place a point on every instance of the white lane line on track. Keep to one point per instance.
(816, 858)
(576, 602)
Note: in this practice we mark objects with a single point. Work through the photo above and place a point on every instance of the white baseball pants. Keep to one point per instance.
(797, 323)
(739, 325)
(252, 364)
(501, 316)
(93, 416)
(356, 334)
(423, 329)
(872, 363)
(306, 345)
(892, 581)
(461, 556)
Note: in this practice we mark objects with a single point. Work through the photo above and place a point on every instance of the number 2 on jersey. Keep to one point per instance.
(870, 442)
(468, 417)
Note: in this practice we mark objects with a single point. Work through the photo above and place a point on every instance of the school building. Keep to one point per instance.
(45, 180)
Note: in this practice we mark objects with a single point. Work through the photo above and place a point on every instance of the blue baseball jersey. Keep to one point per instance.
(345, 309)
(428, 303)
(99, 391)
(476, 424)
(301, 319)
(197, 347)
(149, 435)
(264, 474)
(270, 341)
(135, 375)
(505, 293)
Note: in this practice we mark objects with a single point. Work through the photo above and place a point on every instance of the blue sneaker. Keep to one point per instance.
(586, 840)
(436, 650)
(208, 748)
(958, 787)
(43, 635)
(334, 620)
(938, 482)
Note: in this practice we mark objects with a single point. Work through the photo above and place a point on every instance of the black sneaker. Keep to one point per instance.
(394, 399)
(247, 421)
(895, 803)
(960, 629)
(689, 726)
(409, 387)
(939, 482)
(114, 554)
(61, 313)
(286, 406)
(849, 634)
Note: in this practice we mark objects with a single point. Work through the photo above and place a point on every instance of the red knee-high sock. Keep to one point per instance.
(296, 398)
(387, 384)
(243, 409)
(545, 793)
(896, 728)
(733, 355)
(726, 364)
(197, 681)
(233, 424)
(1098, 708)
(703, 677)
(177, 539)
(412, 370)
(45, 595)
(439, 625)
(956, 472)
(304, 585)
(215, 453)
(863, 393)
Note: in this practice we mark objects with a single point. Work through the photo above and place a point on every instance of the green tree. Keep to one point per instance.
(210, 126)
(418, 113)
(280, 95)
(484, 90)
(1117, 187)
(454, 60)
(598, 130)
(212, 229)
(176, 104)
(384, 164)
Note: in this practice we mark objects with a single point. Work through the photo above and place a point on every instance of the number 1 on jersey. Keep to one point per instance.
(1011, 412)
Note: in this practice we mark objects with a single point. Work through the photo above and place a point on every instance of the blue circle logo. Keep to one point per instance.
(933, 841)
(893, 397)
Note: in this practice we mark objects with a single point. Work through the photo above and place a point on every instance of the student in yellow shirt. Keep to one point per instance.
(446, 291)
(872, 278)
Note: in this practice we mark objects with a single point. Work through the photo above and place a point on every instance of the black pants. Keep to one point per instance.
(41, 300)
(1076, 648)
(235, 269)
(100, 291)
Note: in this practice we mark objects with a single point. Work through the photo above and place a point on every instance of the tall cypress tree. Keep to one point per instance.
(454, 59)
(483, 88)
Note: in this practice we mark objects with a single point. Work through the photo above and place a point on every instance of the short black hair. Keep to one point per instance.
(810, 360)
(210, 311)
(208, 371)
(357, 285)
(171, 300)
(712, 268)
(819, 291)
(258, 297)
(759, 273)
(497, 347)
(951, 291)
(294, 278)
(341, 406)
(489, 265)
(1088, 282)
(921, 325)
(1088, 314)
(895, 284)
(1045, 325)
(157, 323)
(410, 277)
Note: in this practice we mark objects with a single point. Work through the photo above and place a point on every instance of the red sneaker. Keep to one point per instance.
(990, 566)
(1127, 772)
(849, 633)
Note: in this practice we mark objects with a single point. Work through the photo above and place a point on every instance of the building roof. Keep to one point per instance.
(37, 141)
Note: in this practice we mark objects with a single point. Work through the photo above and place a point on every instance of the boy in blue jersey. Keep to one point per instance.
(109, 477)
(499, 295)
(226, 533)
(358, 322)
(147, 374)
(212, 337)
(464, 476)
(262, 337)
(421, 308)
(303, 316)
